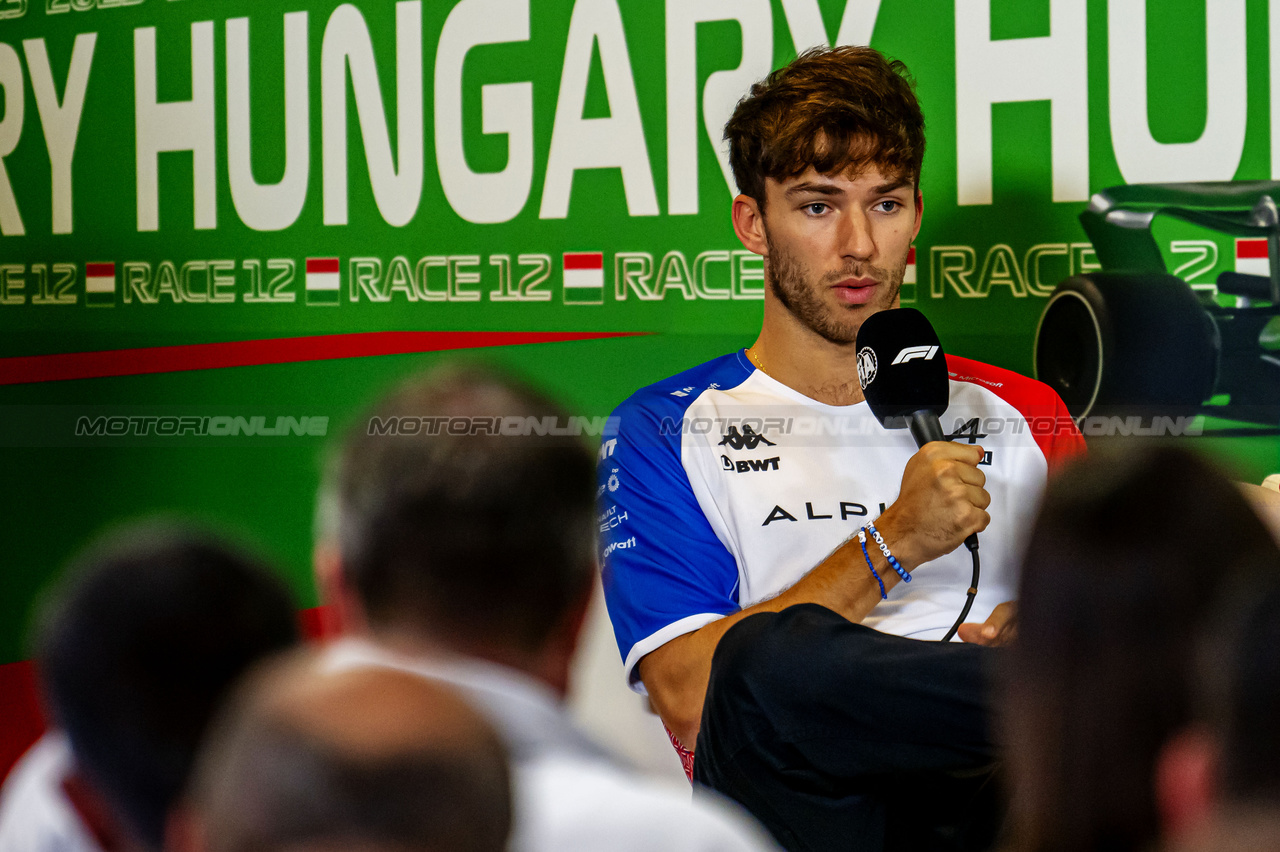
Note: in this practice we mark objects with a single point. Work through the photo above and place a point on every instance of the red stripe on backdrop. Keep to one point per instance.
(1251, 249)
(22, 721)
(99, 270)
(911, 255)
(25, 369)
(322, 264)
(584, 260)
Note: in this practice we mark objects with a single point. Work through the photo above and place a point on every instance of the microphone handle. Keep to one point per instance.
(925, 427)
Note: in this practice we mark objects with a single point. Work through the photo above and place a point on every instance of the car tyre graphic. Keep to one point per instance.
(1116, 343)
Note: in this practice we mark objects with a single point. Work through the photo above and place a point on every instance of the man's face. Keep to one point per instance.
(838, 246)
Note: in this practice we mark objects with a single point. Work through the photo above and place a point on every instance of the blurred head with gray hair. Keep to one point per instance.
(369, 759)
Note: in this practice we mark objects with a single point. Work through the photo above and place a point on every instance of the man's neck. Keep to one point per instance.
(807, 362)
(540, 667)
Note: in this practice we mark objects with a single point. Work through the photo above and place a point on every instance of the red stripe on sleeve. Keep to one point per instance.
(1048, 420)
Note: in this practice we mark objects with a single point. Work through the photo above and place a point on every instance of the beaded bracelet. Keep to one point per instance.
(862, 539)
(884, 548)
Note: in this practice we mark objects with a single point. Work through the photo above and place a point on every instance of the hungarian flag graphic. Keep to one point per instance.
(583, 278)
(324, 286)
(1251, 256)
(100, 285)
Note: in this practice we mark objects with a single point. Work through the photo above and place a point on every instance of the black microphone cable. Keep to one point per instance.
(972, 543)
(925, 426)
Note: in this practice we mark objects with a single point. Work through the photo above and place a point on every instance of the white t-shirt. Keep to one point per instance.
(720, 487)
(35, 815)
(569, 793)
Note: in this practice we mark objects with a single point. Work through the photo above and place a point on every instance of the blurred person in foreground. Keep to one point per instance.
(1128, 558)
(368, 760)
(463, 549)
(1218, 781)
(137, 649)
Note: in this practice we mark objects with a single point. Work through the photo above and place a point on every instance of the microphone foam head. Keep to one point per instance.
(901, 366)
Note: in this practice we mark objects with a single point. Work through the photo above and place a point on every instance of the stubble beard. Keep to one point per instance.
(794, 285)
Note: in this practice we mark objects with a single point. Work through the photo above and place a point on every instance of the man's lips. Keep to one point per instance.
(855, 291)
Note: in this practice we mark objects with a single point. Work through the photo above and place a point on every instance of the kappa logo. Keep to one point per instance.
(915, 353)
(748, 438)
(866, 366)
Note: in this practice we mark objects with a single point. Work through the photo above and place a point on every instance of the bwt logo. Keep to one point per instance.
(749, 465)
(915, 353)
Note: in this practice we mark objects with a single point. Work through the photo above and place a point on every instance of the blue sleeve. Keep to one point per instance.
(665, 571)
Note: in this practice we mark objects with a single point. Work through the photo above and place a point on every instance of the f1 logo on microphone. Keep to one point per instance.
(915, 353)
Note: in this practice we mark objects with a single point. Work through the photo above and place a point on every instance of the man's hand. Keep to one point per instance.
(942, 501)
(998, 629)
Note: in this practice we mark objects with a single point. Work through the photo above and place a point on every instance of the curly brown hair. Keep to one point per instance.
(834, 108)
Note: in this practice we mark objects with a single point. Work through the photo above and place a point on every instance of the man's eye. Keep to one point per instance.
(817, 208)
(889, 206)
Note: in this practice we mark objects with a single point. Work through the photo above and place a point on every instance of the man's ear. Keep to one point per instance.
(1186, 781)
(919, 213)
(748, 224)
(343, 611)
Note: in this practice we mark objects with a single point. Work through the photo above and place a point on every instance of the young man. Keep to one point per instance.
(735, 488)
(467, 556)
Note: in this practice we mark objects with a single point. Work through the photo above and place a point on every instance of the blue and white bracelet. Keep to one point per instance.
(862, 539)
(884, 548)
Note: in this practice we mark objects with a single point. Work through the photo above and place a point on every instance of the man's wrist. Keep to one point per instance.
(898, 539)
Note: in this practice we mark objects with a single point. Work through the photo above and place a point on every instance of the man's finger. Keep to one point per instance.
(977, 497)
(970, 475)
(977, 634)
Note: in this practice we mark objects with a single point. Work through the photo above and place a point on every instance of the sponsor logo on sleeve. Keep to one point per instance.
(612, 519)
(626, 544)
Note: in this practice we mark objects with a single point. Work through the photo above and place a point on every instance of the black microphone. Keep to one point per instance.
(903, 373)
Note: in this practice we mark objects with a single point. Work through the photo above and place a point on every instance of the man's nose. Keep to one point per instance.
(856, 241)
